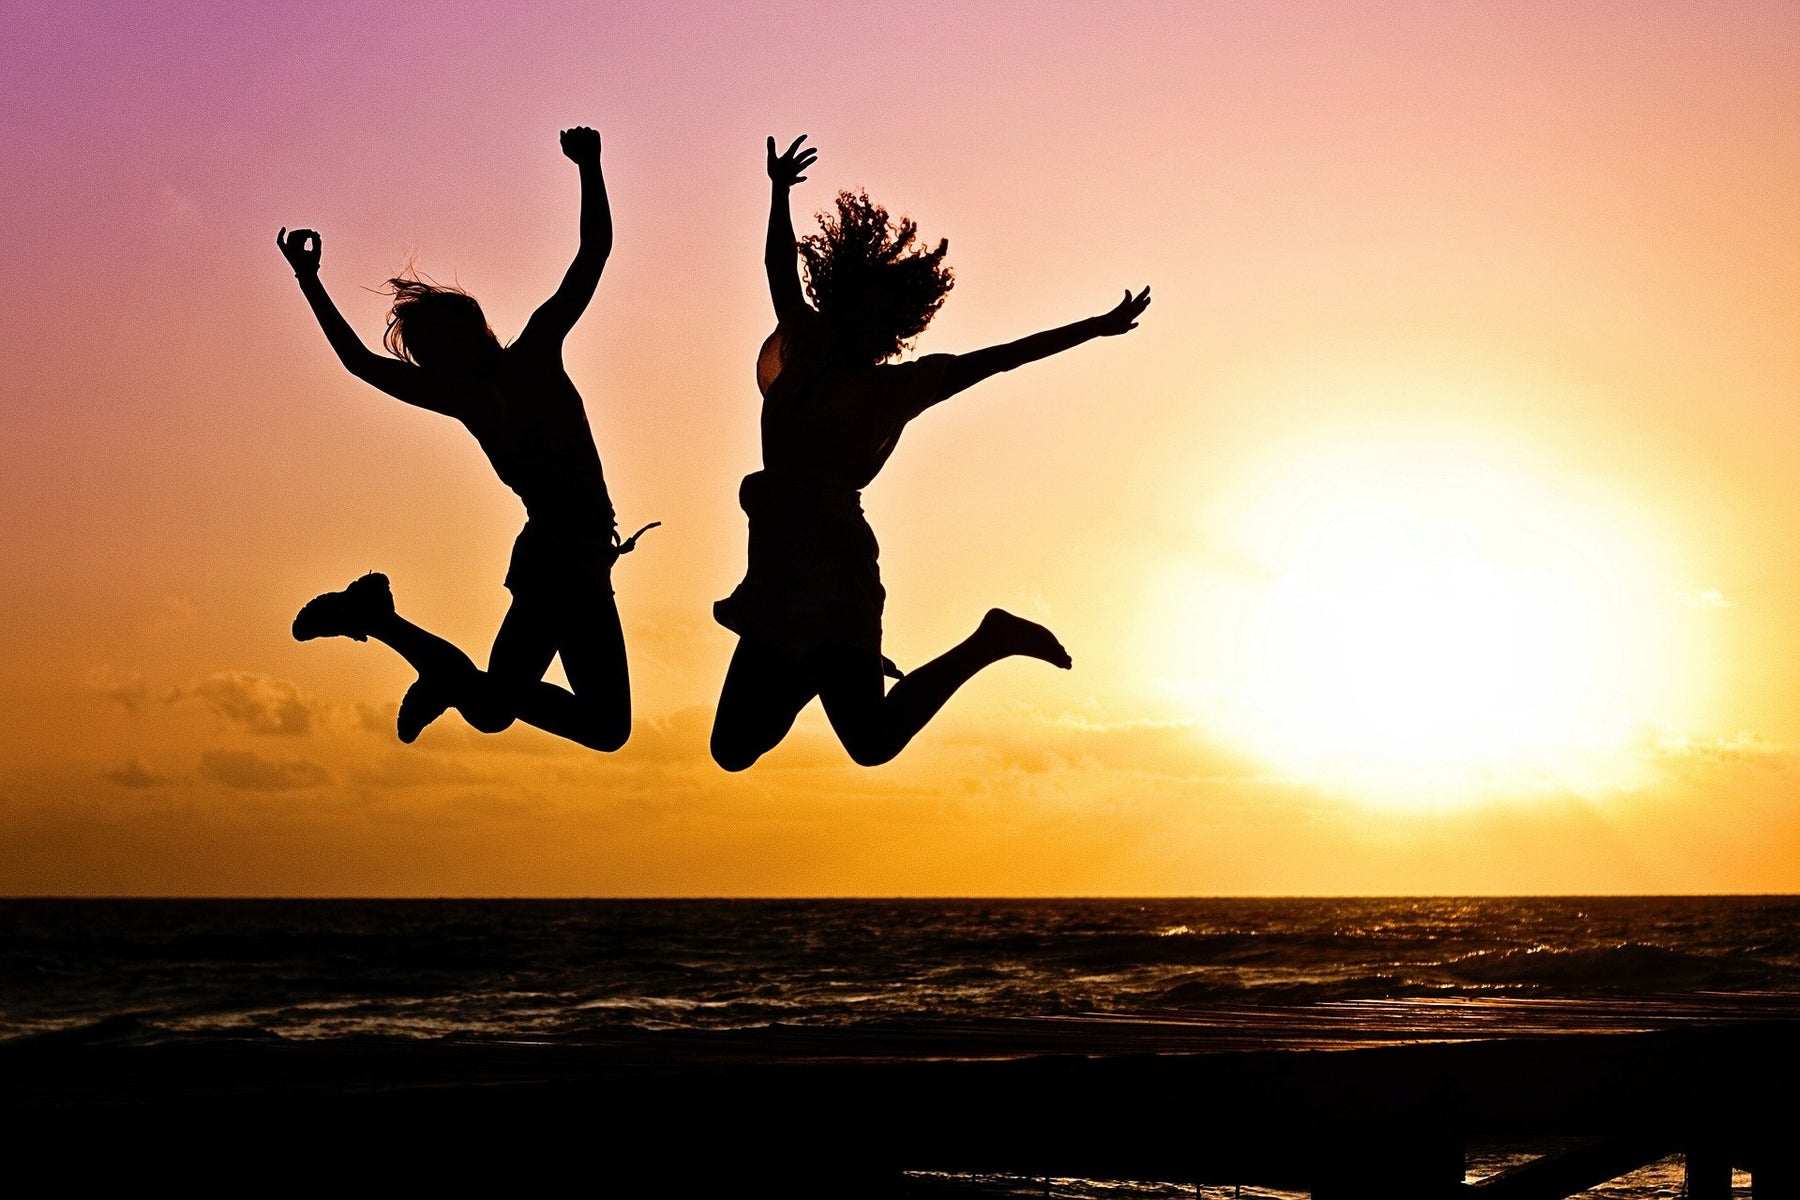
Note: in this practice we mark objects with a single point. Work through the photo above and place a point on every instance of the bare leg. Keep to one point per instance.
(581, 625)
(764, 691)
(447, 676)
(365, 610)
(595, 710)
(875, 727)
(424, 651)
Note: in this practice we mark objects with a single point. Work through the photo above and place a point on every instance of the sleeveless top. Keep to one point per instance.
(813, 577)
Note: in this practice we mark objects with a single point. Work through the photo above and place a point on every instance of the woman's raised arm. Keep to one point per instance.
(557, 315)
(969, 369)
(302, 249)
(778, 251)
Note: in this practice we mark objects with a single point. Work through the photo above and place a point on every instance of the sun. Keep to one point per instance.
(1433, 618)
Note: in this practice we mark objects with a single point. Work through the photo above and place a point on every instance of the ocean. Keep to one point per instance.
(150, 971)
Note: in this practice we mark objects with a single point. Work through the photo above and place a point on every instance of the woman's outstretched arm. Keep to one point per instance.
(778, 250)
(966, 370)
(557, 315)
(976, 366)
(302, 249)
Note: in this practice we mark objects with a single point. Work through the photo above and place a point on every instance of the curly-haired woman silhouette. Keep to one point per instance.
(521, 406)
(808, 612)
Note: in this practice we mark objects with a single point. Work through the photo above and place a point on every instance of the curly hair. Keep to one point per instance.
(437, 316)
(875, 285)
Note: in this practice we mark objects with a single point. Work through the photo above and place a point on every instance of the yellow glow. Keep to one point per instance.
(1432, 619)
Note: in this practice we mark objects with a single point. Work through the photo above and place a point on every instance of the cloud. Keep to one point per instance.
(378, 718)
(251, 772)
(1707, 598)
(450, 733)
(676, 738)
(258, 703)
(135, 774)
(415, 769)
(1034, 743)
(1740, 750)
(127, 691)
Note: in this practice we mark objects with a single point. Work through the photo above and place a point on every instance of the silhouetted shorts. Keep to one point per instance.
(814, 575)
(555, 563)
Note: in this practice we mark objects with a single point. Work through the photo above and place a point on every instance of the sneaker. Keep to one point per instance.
(350, 613)
(425, 701)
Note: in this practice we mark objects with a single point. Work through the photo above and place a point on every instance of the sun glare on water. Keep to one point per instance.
(1423, 622)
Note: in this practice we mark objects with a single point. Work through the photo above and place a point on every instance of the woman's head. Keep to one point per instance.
(437, 326)
(874, 285)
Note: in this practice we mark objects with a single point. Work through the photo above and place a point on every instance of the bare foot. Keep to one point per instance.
(1015, 635)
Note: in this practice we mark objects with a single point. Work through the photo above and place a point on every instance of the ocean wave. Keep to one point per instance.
(1629, 966)
(586, 968)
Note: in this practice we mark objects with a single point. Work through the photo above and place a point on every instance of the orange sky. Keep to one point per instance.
(1550, 244)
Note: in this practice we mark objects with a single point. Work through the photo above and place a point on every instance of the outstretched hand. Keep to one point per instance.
(301, 248)
(581, 145)
(1124, 315)
(784, 169)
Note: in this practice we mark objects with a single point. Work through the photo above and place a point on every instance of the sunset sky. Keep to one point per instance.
(1438, 531)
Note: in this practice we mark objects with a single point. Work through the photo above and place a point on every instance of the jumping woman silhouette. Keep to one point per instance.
(523, 409)
(808, 612)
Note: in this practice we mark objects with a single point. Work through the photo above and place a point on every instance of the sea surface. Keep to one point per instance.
(158, 970)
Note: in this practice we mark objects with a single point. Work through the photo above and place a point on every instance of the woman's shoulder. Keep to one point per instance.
(917, 382)
(527, 353)
(799, 338)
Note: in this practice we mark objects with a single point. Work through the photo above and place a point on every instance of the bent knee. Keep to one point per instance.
(871, 753)
(735, 760)
(608, 737)
(486, 718)
(485, 711)
(733, 755)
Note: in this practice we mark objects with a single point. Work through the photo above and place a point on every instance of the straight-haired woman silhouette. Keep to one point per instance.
(521, 406)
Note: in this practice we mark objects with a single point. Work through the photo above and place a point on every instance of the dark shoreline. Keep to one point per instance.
(1316, 1106)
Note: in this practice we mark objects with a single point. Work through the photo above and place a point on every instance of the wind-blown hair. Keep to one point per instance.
(429, 321)
(875, 286)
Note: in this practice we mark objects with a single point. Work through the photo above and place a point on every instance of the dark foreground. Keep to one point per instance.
(1345, 1101)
